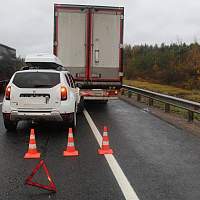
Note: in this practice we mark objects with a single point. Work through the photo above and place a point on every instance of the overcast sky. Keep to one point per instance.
(27, 25)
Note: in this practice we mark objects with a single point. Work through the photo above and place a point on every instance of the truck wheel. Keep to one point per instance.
(9, 125)
(81, 105)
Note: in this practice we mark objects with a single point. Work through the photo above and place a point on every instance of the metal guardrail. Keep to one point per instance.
(3, 84)
(191, 106)
(4, 81)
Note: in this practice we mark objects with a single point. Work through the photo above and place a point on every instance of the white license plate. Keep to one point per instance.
(97, 92)
(32, 101)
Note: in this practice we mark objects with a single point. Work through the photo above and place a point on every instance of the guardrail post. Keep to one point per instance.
(150, 102)
(196, 108)
(190, 116)
(122, 91)
(138, 97)
(167, 107)
(129, 94)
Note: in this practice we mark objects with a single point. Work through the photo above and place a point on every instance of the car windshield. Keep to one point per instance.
(36, 79)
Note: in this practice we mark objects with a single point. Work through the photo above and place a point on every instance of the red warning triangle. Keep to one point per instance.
(50, 187)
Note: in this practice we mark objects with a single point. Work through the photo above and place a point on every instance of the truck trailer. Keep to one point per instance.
(89, 42)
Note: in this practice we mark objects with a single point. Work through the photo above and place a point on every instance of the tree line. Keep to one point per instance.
(9, 65)
(174, 64)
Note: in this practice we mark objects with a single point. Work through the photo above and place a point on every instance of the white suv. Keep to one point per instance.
(40, 94)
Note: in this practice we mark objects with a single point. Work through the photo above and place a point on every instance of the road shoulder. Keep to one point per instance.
(171, 118)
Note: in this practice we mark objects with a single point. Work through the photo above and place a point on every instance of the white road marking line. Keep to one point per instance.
(123, 182)
(1, 103)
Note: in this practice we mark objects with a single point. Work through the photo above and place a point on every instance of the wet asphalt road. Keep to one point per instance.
(160, 161)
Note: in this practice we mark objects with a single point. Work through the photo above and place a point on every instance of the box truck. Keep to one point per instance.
(89, 42)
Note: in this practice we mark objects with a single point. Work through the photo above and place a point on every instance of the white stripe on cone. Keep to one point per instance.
(105, 142)
(70, 135)
(70, 144)
(32, 146)
(105, 133)
(32, 137)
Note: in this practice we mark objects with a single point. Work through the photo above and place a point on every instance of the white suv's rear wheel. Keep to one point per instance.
(75, 120)
(10, 125)
(73, 123)
(81, 105)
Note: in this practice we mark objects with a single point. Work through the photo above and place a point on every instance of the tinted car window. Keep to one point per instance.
(36, 79)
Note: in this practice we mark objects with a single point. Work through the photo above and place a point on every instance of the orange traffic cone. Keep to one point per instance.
(105, 149)
(70, 150)
(32, 149)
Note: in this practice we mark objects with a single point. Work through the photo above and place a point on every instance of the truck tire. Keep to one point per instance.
(9, 125)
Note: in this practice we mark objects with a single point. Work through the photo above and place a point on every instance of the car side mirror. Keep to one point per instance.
(79, 85)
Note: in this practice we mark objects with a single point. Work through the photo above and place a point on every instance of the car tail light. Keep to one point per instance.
(63, 91)
(112, 92)
(7, 92)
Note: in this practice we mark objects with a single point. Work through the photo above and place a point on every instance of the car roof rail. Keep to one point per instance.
(25, 68)
(58, 68)
(61, 68)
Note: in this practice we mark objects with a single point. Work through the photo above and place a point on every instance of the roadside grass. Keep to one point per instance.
(192, 95)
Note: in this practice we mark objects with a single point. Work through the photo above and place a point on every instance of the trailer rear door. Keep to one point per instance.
(106, 44)
(71, 35)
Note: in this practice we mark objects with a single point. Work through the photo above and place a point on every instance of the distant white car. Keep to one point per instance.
(41, 94)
